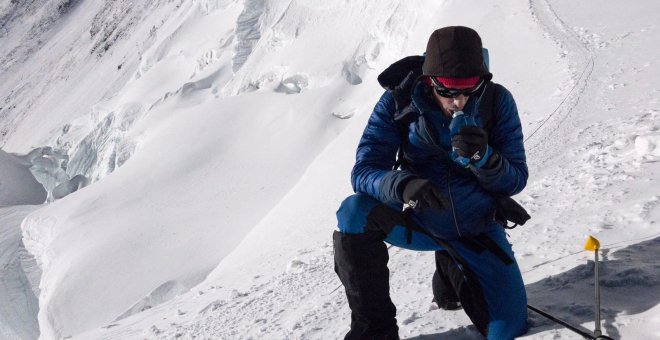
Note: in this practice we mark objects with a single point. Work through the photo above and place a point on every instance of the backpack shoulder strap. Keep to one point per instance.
(488, 105)
(402, 119)
(399, 79)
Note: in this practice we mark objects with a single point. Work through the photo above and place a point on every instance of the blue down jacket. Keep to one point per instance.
(469, 190)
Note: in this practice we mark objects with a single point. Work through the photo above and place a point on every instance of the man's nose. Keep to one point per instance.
(460, 100)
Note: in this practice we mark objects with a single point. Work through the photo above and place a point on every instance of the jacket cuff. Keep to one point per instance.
(392, 185)
(402, 186)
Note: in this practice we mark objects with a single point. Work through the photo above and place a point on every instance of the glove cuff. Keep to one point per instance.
(486, 159)
(494, 161)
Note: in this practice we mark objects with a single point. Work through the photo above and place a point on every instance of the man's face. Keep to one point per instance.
(451, 105)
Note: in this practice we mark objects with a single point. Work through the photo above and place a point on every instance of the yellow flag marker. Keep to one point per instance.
(592, 244)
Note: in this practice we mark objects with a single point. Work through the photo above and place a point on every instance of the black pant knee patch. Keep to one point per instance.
(383, 218)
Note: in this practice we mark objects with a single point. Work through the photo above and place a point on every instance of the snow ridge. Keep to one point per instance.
(18, 296)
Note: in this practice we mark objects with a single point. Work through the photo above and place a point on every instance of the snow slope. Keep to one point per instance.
(219, 137)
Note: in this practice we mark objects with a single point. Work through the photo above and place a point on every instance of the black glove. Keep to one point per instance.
(472, 142)
(421, 194)
(510, 210)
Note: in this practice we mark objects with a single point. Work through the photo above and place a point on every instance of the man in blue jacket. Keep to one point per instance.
(448, 180)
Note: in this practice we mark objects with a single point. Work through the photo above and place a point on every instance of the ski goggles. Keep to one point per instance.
(446, 92)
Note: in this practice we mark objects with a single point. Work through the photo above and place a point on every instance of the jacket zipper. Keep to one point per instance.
(451, 199)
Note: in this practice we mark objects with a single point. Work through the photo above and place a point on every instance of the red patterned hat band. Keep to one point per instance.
(458, 83)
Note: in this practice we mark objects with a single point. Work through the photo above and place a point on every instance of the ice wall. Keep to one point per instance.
(17, 185)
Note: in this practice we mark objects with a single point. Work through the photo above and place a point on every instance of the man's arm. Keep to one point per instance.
(376, 155)
(509, 174)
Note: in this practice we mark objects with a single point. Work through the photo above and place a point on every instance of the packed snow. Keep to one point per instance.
(172, 169)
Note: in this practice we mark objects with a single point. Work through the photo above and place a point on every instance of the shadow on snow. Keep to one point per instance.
(629, 284)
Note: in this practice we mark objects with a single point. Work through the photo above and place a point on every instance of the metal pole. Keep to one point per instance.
(597, 331)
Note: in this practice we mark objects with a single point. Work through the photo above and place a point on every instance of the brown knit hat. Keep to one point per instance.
(455, 52)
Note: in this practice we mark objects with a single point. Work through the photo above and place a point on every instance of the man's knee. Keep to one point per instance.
(491, 292)
(359, 213)
(514, 326)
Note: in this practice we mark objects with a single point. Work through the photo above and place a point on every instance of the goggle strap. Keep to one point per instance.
(440, 88)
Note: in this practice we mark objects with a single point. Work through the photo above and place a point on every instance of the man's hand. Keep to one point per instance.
(472, 142)
(421, 194)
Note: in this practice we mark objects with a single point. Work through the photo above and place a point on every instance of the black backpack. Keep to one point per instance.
(399, 79)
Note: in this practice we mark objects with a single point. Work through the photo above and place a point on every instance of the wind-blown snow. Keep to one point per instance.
(199, 149)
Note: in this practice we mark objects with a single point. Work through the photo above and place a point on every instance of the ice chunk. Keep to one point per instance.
(71, 186)
(293, 84)
(47, 170)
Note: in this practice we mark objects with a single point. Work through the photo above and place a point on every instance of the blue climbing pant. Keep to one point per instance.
(481, 271)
